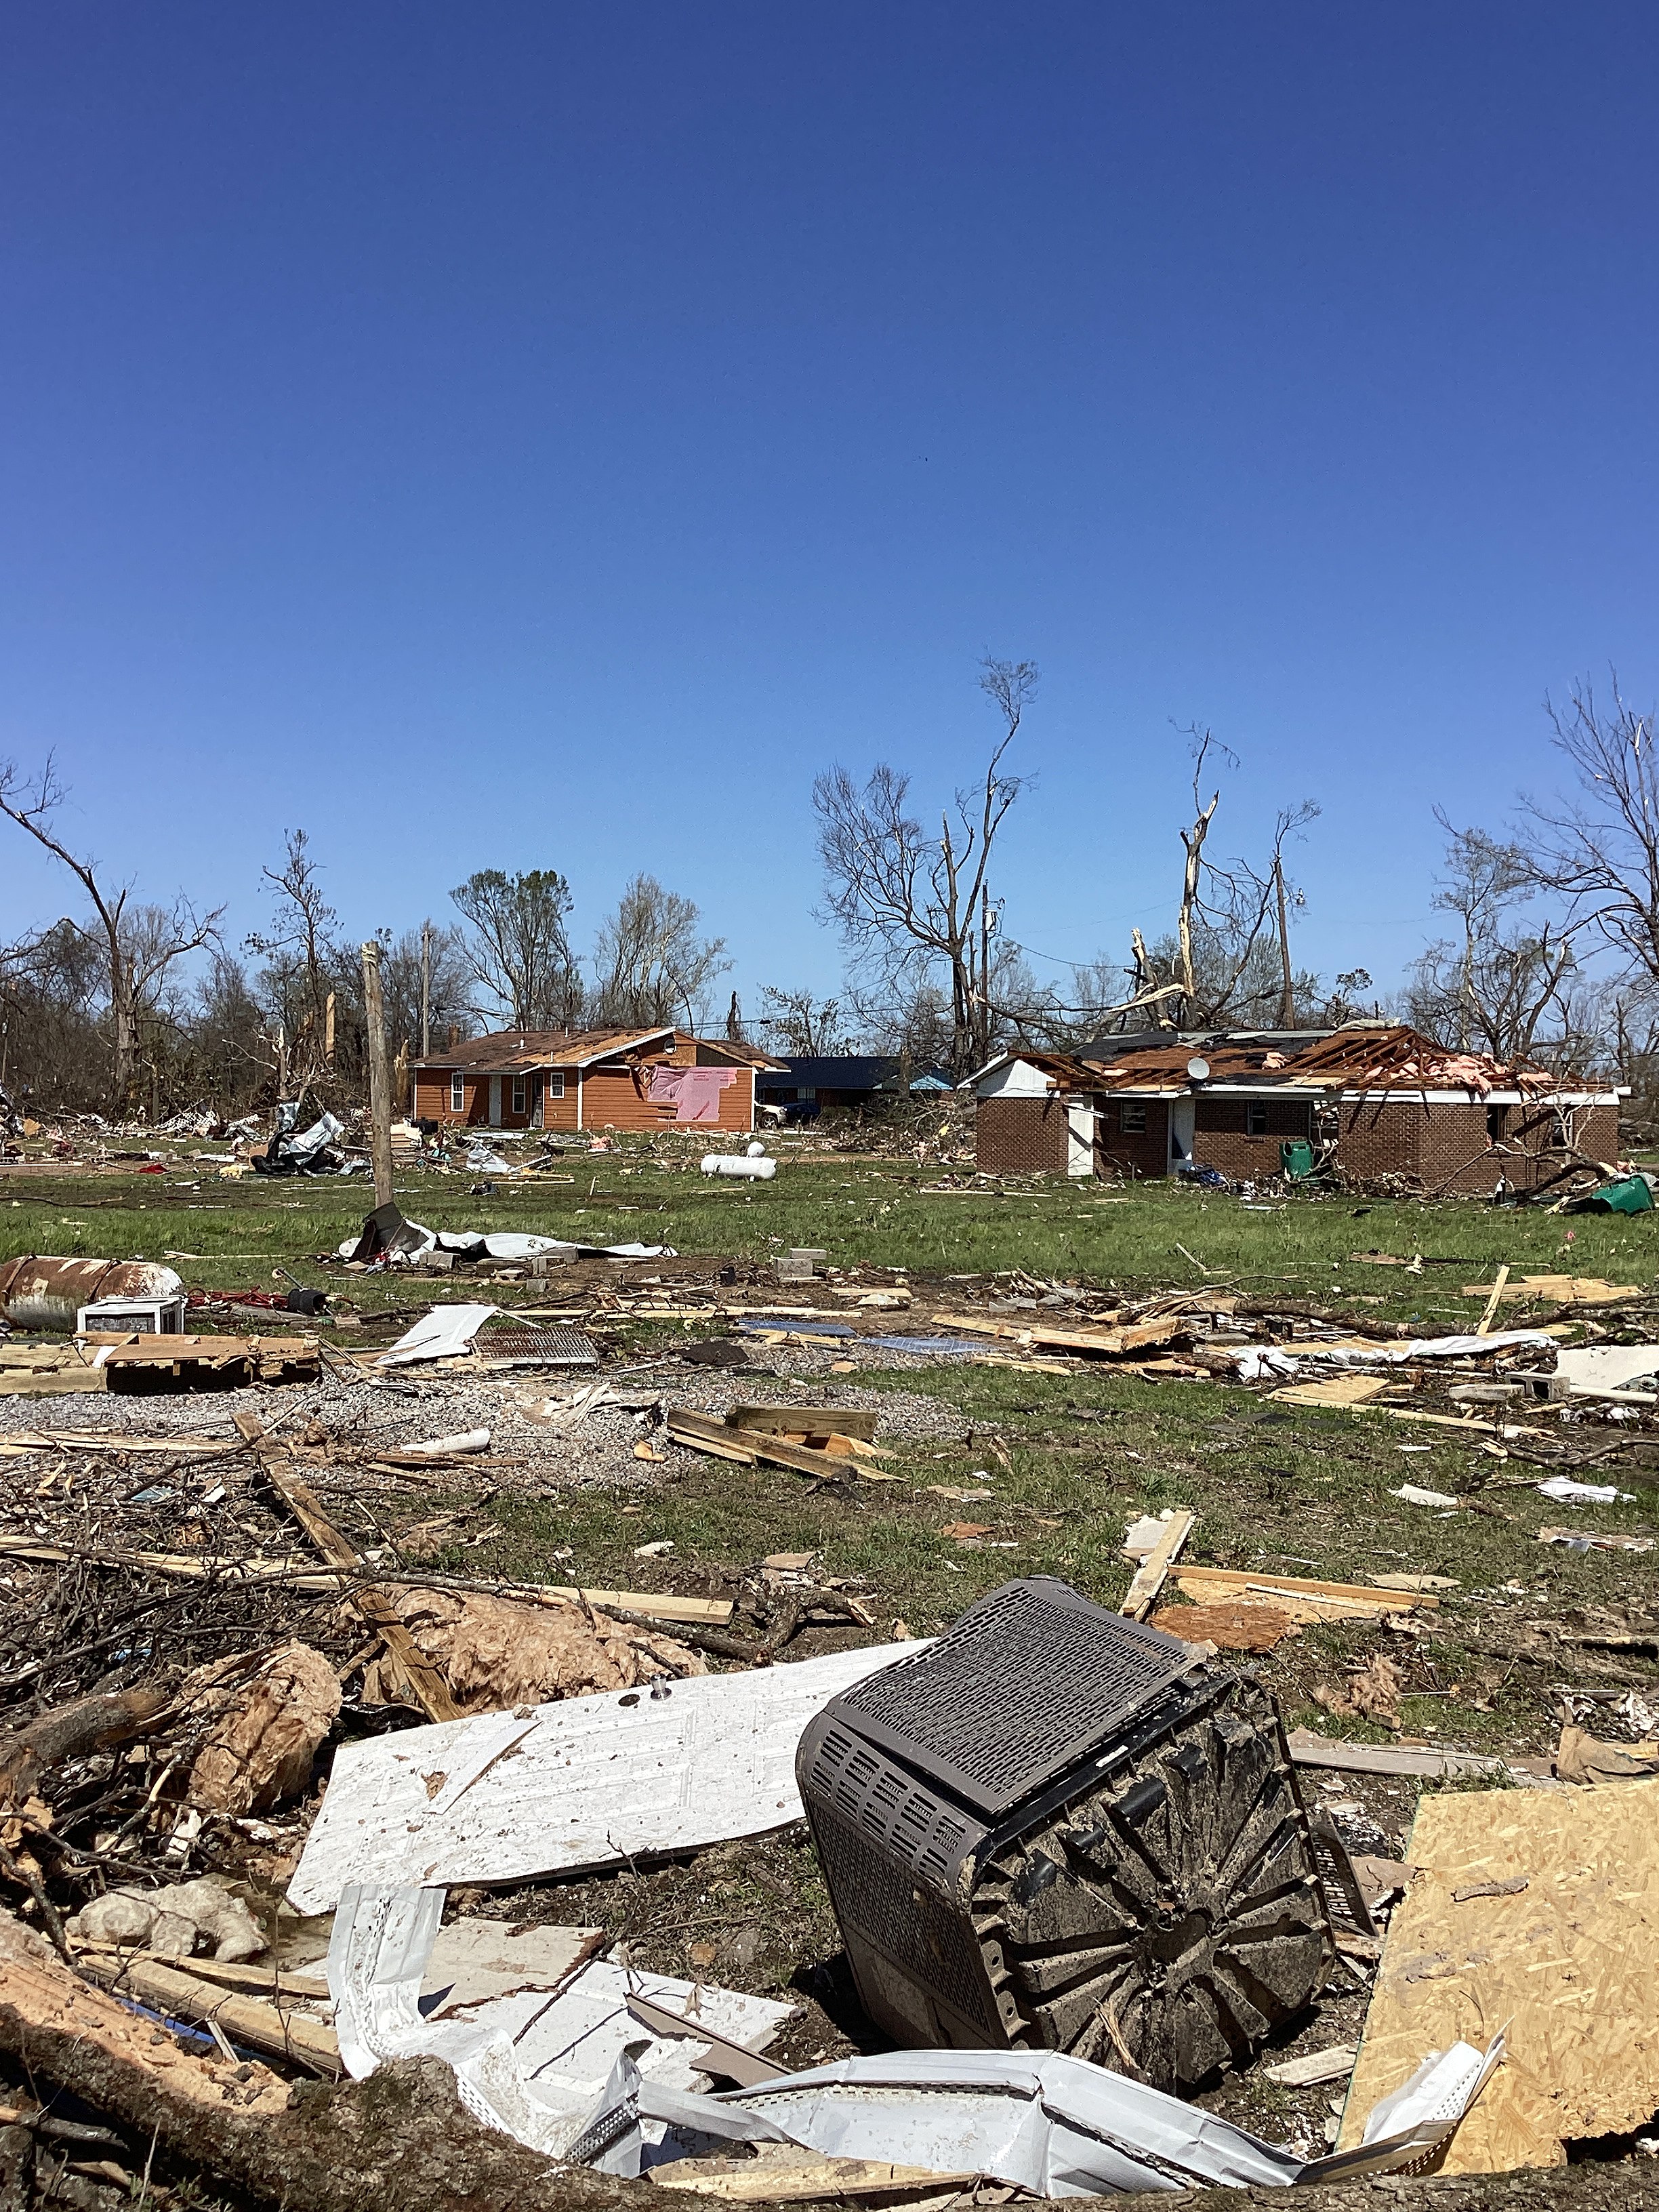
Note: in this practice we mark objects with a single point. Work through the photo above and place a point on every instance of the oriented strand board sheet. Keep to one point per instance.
(588, 1782)
(1539, 1914)
(1334, 1390)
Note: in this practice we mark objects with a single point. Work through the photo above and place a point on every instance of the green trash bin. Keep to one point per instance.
(1295, 1158)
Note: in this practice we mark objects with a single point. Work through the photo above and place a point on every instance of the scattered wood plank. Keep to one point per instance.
(1114, 1342)
(1231, 1580)
(1334, 1390)
(1565, 1289)
(1483, 1327)
(262, 1358)
(1308, 1749)
(173, 1988)
(1314, 2067)
(703, 1434)
(418, 1674)
(1148, 1578)
(816, 1420)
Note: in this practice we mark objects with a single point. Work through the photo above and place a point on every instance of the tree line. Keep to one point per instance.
(1549, 948)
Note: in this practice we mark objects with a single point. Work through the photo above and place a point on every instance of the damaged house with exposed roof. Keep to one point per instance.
(590, 1080)
(1374, 1099)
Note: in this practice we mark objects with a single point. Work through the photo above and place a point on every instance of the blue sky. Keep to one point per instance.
(535, 435)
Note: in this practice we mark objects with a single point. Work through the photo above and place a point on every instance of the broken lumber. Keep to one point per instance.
(817, 1420)
(1134, 1337)
(1234, 1581)
(1148, 1578)
(173, 1988)
(1308, 1749)
(418, 1674)
(402, 2137)
(703, 1434)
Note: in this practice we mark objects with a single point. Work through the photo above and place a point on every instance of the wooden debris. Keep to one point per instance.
(1581, 1758)
(1562, 1290)
(1308, 1749)
(1231, 1624)
(1566, 1967)
(1135, 1336)
(816, 1420)
(424, 1683)
(1305, 1601)
(1149, 1576)
(1314, 2067)
(1483, 1327)
(749, 1445)
(803, 2177)
(1334, 1390)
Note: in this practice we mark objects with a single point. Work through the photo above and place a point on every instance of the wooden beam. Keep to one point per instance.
(1149, 1576)
(417, 1671)
(1483, 1327)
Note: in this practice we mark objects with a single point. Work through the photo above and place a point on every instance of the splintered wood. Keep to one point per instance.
(1538, 1915)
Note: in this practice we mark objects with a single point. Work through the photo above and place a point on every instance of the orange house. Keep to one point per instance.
(591, 1079)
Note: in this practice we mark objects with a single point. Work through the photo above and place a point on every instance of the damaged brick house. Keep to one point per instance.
(1376, 1099)
(573, 1080)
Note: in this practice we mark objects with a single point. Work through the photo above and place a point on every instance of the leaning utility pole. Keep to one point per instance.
(380, 1081)
(1287, 995)
(426, 990)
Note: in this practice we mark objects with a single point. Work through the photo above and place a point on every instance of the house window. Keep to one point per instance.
(553, 1085)
(1496, 1118)
(517, 1094)
(1131, 1116)
(1255, 1121)
(457, 1094)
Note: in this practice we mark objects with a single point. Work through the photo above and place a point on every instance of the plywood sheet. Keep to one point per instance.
(1538, 1914)
(1334, 1390)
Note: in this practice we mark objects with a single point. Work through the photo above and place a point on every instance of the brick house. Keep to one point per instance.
(574, 1079)
(1375, 1099)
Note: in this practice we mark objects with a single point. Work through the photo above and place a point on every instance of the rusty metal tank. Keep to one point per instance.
(38, 1291)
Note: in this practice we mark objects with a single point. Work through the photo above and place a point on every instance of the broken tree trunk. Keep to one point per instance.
(70, 1732)
(402, 2137)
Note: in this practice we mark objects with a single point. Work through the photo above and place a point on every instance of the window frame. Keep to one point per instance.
(520, 1095)
(1131, 1117)
(1256, 1118)
(457, 1092)
(553, 1085)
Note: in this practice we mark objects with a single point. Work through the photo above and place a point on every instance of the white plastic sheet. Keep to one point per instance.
(587, 1781)
(443, 1333)
(1258, 1363)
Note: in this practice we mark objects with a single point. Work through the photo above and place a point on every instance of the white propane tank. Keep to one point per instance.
(737, 1164)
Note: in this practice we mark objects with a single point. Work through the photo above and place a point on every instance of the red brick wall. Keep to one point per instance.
(1221, 1138)
(1131, 1152)
(1446, 1146)
(1020, 1136)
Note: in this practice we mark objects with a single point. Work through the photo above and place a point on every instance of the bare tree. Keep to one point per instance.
(519, 953)
(909, 905)
(650, 964)
(1600, 852)
(1503, 982)
(1235, 914)
(802, 1026)
(139, 947)
(307, 975)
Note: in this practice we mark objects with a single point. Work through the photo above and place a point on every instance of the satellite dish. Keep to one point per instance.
(1198, 1071)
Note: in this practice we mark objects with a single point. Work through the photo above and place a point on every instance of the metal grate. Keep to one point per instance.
(1030, 1680)
(536, 1347)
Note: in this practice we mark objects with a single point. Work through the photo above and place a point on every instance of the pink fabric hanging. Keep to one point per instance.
(693, 1092)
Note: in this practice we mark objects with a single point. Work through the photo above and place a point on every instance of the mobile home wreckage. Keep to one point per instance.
(574, 1079)
(1373, 1099)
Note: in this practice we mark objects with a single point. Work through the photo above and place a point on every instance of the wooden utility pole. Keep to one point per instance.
(426, 990)
(1287, 995)
(379, 1080)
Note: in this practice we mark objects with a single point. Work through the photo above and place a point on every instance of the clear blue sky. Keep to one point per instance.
(543, 435)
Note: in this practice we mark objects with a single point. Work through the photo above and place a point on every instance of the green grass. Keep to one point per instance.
(1288, 1490)
(860, 1211)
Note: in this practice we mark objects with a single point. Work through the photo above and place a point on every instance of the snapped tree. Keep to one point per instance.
(139, 946)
